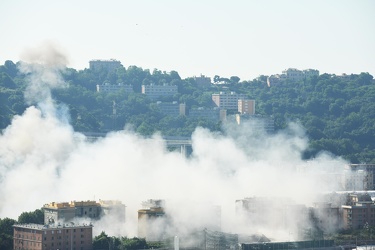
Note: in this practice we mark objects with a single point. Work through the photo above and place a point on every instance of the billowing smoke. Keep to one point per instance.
(43, 160)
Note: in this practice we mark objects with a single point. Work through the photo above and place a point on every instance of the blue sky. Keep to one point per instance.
(242, 38)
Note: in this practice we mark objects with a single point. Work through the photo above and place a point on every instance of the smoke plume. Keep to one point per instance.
(42, 159)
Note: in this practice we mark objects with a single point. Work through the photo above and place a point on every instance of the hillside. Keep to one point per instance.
(338, 112)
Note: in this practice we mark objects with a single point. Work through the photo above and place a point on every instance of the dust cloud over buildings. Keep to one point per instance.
(42, 159)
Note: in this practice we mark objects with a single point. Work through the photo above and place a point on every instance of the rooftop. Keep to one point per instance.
(52, 226)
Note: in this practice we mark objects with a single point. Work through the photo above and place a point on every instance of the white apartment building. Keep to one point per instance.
(294, 74)
(228, 101)
(310, 73)
(291, 74)
(108, 65)
(107, 87)
(156, 91)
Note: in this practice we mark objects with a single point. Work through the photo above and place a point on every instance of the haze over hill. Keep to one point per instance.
(42, 159)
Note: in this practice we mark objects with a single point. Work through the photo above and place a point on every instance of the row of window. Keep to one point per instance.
(59, 231)
(66, 237)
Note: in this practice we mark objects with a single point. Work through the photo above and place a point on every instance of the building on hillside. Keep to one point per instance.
(113, 208)
(156, 91)
(171, 108)
(358, 212)
(228, 101)
(310, 73)
(325, 217)
(108, 65)
(107, 87)
(152, 220)
(359, 177)
(55, 212)
(294, 74)
(246, 106)
(43, 237)
(273, 213)
(291, 74)
(257, 122)
(203, 81)
(212, 114)
(275, 80)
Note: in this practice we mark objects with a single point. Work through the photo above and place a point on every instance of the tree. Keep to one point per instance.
(6, 233)
(133, 243)
(101, 241)
(36, 217)
(234, 79)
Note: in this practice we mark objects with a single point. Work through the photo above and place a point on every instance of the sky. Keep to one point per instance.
(243, 38)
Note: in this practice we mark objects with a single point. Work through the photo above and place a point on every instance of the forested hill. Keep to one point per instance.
(338, 112)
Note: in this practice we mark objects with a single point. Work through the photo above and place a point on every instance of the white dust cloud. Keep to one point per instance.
(43, 160)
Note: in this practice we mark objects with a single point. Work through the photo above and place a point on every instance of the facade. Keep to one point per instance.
(203, 81)
(359, 177)
(246, 106)
(109, 65)
(51, 237)
(291, 74)
(106, 87)
(276, 213)
(294, 74)
(275, 80)
(68, 211)
(54, 212)
(257, 122)
(214, 114)
(310, 73)
(151, 219)
(171, 108)
(113, 208)
(228, 101)
(358, 212)
(327, 217)
(156, 91)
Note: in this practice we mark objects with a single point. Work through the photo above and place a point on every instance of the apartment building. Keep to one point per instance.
(171, 108)
(212, 114)
(294, 74)
(326, 216)
(52, 237)
(359, 211)
(156, 91)
(107, 87)
(55, 212)
(151, 220)
(275, 80)
(246, 106)
(359, 177)
(113, 208)
(291, 74)
(203, 81)
(276, 212)
(257, 122)
(228, 101)
(108, 65)
(310, 73)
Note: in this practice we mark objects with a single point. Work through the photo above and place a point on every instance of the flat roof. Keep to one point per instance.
(51, 226)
